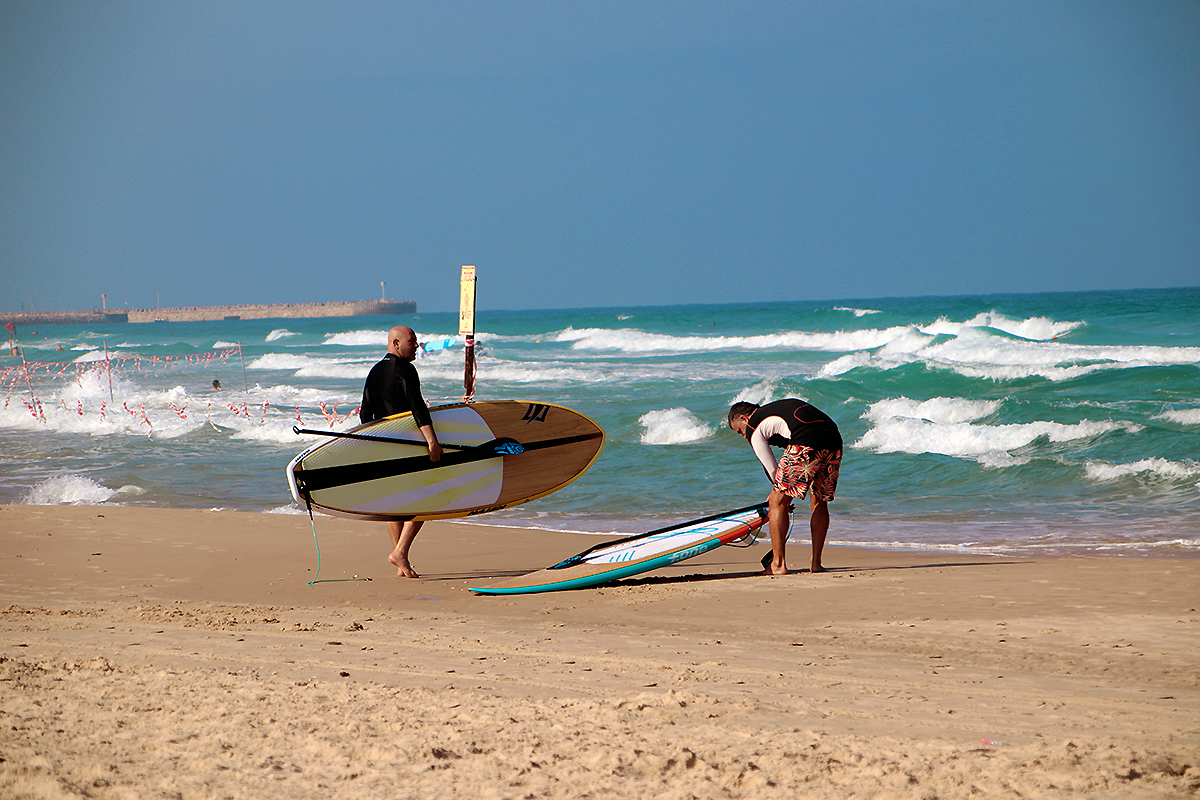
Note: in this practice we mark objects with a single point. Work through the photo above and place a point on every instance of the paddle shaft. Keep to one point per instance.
(364, 437)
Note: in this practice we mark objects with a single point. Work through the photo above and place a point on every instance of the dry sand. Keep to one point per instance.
(164, 653)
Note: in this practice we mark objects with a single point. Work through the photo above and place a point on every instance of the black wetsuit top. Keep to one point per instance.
(810, 426)
(393, 387)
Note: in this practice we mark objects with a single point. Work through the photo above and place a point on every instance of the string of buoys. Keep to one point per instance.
(20, 381)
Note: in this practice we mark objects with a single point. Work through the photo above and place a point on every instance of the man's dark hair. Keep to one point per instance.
(740, 408)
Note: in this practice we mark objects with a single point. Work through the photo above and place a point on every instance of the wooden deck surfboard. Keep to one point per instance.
(634, 555)
(496, 455)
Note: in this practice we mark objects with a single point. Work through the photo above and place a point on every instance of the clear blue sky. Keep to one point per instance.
(593, 154)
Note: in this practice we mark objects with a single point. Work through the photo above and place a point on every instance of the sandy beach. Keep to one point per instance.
(150, 653)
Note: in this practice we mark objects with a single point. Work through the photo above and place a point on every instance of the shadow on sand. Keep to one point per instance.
(694, 578)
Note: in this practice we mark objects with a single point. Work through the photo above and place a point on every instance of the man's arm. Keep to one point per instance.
(435, 448)
(763, 450)
(411, 383)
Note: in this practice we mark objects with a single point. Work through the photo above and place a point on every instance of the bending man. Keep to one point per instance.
(393, 387)
(811, 461)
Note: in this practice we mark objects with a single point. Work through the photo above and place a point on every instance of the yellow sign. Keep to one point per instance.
(466, 303)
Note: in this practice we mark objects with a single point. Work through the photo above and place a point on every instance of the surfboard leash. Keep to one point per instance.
(317, 578)
(752, 536)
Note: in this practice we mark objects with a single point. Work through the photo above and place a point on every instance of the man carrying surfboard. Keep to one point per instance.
(810, 462)
(393, 387)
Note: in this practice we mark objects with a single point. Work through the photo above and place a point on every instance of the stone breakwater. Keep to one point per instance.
(354, 308)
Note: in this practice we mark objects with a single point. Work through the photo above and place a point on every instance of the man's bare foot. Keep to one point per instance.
(403, 568)
(769, 566)
(816, 568)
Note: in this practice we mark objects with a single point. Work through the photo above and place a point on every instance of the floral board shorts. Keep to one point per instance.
(801, 467)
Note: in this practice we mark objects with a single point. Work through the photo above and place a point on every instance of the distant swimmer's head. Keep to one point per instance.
(216, 385)
(402, 343)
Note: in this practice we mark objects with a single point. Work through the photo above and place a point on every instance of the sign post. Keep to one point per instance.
(466, 328)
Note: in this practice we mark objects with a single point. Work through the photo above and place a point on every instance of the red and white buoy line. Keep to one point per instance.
(20, 380)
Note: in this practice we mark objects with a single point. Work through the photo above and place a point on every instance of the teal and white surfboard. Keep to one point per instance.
(634, 555)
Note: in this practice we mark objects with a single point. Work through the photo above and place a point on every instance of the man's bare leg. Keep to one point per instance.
(779, 504)
(402, 535)
(818, 525)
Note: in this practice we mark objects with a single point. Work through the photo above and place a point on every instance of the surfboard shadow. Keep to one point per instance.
(707, 577)
(660, 580)
(490, 574)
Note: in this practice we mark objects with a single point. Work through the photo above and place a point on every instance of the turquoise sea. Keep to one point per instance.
(1014, 424)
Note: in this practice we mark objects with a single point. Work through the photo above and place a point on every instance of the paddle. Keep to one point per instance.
(364, 437)
(575, 559)
(313, 480)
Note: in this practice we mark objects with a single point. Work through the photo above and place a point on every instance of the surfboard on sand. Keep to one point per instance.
(633, 555)
(495, 455)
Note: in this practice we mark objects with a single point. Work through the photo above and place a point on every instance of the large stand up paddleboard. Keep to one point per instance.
(634, 555)
(495, 455)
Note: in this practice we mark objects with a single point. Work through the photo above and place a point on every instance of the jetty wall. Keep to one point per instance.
(353, 308)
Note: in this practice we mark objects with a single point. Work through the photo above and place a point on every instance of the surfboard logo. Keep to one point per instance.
(510, 449)
(683, 555)
(536, 412)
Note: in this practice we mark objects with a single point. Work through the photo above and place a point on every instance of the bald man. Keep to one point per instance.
(393, 387)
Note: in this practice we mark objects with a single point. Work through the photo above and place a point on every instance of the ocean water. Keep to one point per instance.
(1014, 424)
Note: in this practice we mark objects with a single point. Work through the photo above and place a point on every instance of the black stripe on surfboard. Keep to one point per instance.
(315, 480)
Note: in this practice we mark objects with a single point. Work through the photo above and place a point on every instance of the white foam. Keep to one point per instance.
(760, 394)
(1034, 328)
(376, 339)
(279, 333)
(219, 345)
(988, 345)
(905, 343)
(292, 510)
(285, 397)
(847, 363)
(944, 410)
(279, 431)
(354, 372)
(858, 312)
(630, 341)
(1166, 544)
(99, 355)
(1154, 467)
(74, 490)
(291, 361)
(945, 426)
(673, 426)
(976, 352)
(1184, 416)
(501, 372)
(303, 366)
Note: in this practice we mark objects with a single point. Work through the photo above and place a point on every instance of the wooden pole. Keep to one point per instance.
(108, 364)
(466, 328)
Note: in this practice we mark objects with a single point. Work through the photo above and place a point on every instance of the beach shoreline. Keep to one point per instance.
(193, 639)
